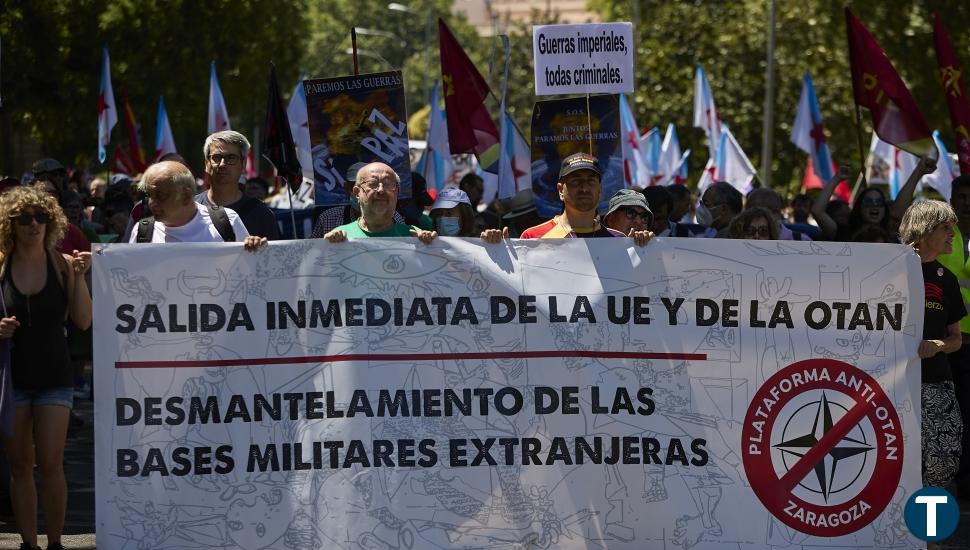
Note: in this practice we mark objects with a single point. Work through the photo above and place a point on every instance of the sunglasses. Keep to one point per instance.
(760, 231)
(632, 214)
(873, 203)
(42, 218)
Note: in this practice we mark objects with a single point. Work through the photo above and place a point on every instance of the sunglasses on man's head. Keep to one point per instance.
(42, 218)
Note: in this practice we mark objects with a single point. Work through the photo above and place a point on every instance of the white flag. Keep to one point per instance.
(218, 115)
(296, 114)
(705, 112)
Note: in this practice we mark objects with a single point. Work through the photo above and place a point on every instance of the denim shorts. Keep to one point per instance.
(51, 396)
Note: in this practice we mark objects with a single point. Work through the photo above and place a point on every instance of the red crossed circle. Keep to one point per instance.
(777, 494)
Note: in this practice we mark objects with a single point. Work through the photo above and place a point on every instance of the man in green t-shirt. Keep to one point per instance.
(376, 188)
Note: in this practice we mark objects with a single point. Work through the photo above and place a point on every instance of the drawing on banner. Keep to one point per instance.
(361, 118)
(387, 394)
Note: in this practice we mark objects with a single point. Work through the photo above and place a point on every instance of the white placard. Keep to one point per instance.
(583, 59)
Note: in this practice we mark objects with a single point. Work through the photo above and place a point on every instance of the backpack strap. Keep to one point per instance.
(145, 229)
(221, 222)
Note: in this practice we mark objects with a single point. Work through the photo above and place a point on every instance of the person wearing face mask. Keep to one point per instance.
(452, 213)
(331, 218)
(719, 204)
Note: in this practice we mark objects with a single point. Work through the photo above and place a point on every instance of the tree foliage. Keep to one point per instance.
(729, 40)
(51, 64)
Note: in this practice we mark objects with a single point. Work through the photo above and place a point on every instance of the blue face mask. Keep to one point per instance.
(354, 203)
(449, 226)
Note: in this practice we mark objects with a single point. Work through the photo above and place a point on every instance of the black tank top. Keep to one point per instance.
(39, 355)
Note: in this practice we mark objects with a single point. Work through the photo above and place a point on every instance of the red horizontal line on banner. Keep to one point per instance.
(195, 363)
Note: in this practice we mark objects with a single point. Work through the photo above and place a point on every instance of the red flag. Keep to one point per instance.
(470, 126)
(134, 143)
(895, 116)
(954, 89)
(121, 164)
(812, 181)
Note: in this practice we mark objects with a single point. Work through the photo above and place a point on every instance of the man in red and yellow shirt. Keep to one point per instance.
(579, 189)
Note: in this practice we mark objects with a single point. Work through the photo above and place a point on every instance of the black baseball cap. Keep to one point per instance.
(579, 161)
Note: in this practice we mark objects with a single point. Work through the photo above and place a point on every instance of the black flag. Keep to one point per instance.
(278, 147)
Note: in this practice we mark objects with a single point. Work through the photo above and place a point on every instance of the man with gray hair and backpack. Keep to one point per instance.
(177, 217)
(225, 158)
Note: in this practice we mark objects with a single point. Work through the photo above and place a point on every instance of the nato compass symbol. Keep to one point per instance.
(831, 479)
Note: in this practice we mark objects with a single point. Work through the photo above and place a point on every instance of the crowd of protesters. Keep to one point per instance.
(50, 218)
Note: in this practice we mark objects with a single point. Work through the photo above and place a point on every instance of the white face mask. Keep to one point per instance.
(449, 226)
(704, 215)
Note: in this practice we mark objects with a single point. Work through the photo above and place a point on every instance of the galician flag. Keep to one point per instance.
(634, 162)
(650, 144)
(705, 112)
(942, 178)
(808, 133)
(732, 165)
(892, 166)
(164, 143)
(218, 115)
(673, 164)
(889, 165)
(296, 113)
(107, 113)
(436, 165)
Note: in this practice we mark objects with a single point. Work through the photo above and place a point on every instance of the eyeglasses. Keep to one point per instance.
(217, 158)
(42, 218)
(374, 185)
(632, 214)
(873, 203)
(757, 231)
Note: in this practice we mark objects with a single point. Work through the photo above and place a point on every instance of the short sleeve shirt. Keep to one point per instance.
(552, 229)
(199, 229)
(355, 231)
(943, 307)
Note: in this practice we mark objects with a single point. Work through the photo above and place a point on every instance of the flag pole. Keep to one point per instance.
(589, 123)
(353, 46)
(862, 153)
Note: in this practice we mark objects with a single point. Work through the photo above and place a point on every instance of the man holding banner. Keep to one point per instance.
(225, 153)
(178, 218)
(376, 189)
(579, 189)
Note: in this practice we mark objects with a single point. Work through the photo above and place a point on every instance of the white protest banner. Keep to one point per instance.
(583, 59)
(576, 394)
